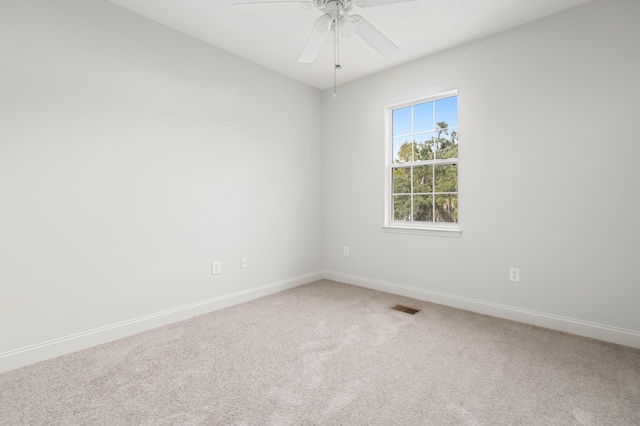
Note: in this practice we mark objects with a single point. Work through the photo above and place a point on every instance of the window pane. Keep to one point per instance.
(423, 117)
(447, 111)
(402, 207)
(423, 208)
(424, 149)
(446, 176)
(447, 208)
(402, 121)
(402, 149)
(425, 135)
(402, 181)
(422, 179)
(446, 143)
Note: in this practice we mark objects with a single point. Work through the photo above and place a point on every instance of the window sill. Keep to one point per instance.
(423, 230)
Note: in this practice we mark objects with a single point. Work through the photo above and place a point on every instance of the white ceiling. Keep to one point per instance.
(419, 28)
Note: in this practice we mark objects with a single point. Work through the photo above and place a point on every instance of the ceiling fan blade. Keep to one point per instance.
(270, 6)
(312, 48)
(374, 3)
(373, 37)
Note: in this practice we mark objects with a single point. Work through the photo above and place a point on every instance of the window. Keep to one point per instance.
(422, 165)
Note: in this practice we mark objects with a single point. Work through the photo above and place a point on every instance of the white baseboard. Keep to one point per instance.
(42, 351)
(603, 332)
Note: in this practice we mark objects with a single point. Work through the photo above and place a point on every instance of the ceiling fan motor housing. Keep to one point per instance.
(327, 5)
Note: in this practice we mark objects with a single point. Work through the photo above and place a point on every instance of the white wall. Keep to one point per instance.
(548, 175)
(131, 156)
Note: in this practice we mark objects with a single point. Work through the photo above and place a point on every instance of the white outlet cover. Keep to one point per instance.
(514, 274)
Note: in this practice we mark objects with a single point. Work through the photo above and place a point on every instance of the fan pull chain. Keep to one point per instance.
(336, 55)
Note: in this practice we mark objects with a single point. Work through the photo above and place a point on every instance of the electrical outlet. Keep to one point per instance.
(514, 274)
(216, 267)
(346, 250)
(244, 263)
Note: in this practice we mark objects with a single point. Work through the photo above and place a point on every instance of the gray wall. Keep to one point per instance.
(131, 156)
(548, 174)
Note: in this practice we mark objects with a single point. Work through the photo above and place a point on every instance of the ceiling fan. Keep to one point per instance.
(335, 21)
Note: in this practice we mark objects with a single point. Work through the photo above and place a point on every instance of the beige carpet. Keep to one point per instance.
(332, 354)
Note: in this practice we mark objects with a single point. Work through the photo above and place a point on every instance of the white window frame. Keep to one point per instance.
(441, 229)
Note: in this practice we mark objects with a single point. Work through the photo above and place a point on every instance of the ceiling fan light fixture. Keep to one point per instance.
(347, 26)
(323, 23)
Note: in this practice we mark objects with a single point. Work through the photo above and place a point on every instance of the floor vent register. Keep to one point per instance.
(406, 309)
